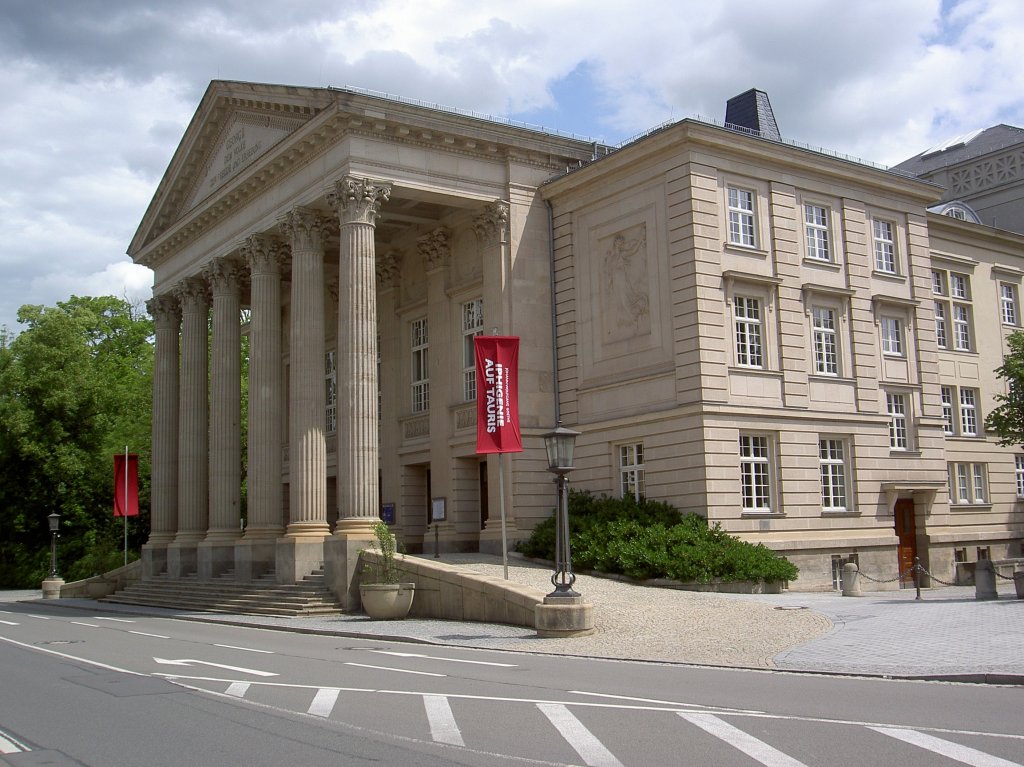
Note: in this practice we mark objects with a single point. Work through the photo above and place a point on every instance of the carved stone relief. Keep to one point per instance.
(625, 288)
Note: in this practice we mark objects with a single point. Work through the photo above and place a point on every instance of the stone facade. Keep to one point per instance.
(715, 312)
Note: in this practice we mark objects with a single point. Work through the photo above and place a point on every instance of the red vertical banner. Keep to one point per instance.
(126, 485)
(497, 394)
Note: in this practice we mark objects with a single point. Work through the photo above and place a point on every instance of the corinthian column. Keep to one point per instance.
(356, 201)
(164, 484)
(307, 448)
(193, 430)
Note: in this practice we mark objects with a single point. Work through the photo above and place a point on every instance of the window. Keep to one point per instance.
(955, 308)
(961, 328)
(1008, 304)
(892, 336)
(472, 326)
(968, 483)
(968, 413)
(420, 367)
(832, 461)
(897, 410)
(884, 239)
(749, 352)
(941, 339)
(938, 282)
(948, 418)
(960, 416)
(816, 232)
(741, 217)
(826, 351)
(958, 285)
(331, 382)
(631, 471)
(755, 485)
(1019, 466)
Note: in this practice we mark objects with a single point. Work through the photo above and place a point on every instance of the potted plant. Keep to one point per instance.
(382, 595)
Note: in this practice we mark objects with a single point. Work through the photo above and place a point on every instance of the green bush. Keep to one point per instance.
(650, 539)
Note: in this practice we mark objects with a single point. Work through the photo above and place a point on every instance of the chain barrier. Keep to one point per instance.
(1000, 575)
(918, 567)
(899, 576)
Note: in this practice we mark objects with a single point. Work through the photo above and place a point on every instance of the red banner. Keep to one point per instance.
(126, 488)
(497, 394)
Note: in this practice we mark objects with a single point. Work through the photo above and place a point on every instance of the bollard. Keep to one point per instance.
(985, 580)
(1018, 583)
(851, 580)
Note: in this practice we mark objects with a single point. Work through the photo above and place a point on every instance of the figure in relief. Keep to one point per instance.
(625, 290)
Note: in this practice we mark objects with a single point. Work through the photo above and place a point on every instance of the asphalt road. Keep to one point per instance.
(106, 691)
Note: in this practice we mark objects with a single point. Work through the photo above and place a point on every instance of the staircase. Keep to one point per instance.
(264, 596)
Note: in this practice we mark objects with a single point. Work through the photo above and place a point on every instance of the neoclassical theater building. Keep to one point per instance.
(785, 341)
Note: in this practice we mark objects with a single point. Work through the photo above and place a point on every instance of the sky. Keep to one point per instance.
(96, 94)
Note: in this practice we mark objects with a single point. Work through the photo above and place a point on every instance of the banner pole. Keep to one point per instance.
(501, 505)
(125, 507)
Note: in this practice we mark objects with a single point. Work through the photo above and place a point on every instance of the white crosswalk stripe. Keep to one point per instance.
(443, 727)
(735, 737)
(591, 750)
(945, 748)
(237, 689)
(323, 701)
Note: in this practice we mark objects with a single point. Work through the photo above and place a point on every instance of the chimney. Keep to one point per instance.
(753, 112)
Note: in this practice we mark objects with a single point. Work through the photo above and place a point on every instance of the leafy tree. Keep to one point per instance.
(74, 389)
(1007, 419)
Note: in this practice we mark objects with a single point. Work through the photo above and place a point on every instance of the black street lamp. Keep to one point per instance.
(559, 445)
(54, 520)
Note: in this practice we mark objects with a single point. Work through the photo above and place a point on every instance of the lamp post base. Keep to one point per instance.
(564, 617)
(51, 587)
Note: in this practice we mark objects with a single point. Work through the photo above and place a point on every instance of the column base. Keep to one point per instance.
(564, 617)
(341, 563)
(154, 560)
(295, 558)
(182, 559)
(214, 558)
(254, 558)
(51, 587)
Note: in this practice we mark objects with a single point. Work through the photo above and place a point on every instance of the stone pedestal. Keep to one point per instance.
(182, 559)
(214, 558)
(564, 617)
(154, 560)
(298, 557)
(255, 558)
(341, 566)
(985, 580)
(851, 580)
(51, 587)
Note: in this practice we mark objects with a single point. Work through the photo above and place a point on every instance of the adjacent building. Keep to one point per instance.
(785, 341)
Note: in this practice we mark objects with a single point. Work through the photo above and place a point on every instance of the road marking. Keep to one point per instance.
(116, 620)
(237, 689)
(144, 634)
(90, 625)
(246, 649)
(40, 617)
(443, 727)
(11, 746)
(748, 744)
(673, 703)
(591, 750)
(945, 748)
(71, 657)
(192, 662)
(10, 623)
(399, 670)
(448, 660)
(323, 701)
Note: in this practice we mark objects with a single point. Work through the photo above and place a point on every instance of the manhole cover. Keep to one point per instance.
(62, 641)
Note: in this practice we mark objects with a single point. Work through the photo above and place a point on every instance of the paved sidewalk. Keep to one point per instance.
(945, 635)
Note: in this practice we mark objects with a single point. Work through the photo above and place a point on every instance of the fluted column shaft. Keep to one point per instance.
(164, 468)
(225, 403)
(193, 430)
(356, 202)
(265, 389)
(307, 448)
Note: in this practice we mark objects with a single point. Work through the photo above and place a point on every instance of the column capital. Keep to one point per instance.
(492, 224)
(306, 228)
(389, 269)
(224, 276)
(435, 247)
(164, 309)
(194, 294)
(358, 200)
(264, 254)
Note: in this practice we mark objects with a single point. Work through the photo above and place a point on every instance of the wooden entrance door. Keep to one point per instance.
(906, 531)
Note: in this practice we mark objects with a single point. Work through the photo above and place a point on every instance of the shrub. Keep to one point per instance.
(651, 539)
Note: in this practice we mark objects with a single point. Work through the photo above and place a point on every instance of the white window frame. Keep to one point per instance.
(824, 330)
(331, 387)
(959, 286)
(419, 339)
(817, 232)
(954, 328)
(1019, 474)
(968, 483)
(632, 480)
(472, 326)
(892, 335)
(948, 411)
(755, 453)
(961, 327)
(899, 432)
(832, 462)
(968, 412)
(1008, 304)
(748, 331)
(741, 208)
(886, 253)
(941, 326)
(938, 282)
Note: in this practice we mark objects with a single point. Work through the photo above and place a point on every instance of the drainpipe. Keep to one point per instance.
(554, 319)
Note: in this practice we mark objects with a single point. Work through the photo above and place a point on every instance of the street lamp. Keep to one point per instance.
(54, 520)
(559, 445)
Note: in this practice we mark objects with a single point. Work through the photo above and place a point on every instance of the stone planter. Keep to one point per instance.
(387, 601)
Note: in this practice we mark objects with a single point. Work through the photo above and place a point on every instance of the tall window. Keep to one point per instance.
(631, 471)
(1019, 471)
(968, 412)
(816, 232)
(420, 366)
(1008, 304)
(938, 282)
(755, 483)
(832, 462)
(961, 328)
(897, 408)
(749, 351)
(331, 384)
(826, 351)
(884, 239)
(952, 305)
(948, 419)
(968, 483)
(941, 336)
(741, 217)
(472, 326)
(892, 336)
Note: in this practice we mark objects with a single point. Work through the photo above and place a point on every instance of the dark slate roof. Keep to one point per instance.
(752, 110)
(962, 149)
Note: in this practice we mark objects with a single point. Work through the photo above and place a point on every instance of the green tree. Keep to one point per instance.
(74, 390)
(1007, 419)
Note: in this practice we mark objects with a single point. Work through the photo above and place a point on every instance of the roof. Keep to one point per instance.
(962, 148)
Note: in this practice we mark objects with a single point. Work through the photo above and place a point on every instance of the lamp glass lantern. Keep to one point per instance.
(54, 522)
(560, 445)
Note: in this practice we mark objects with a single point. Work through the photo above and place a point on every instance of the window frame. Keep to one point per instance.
(832, 473)
(472, 316)
(968, 483)
(331, 391)
(818, 238)
(749, 331)
(899, 427)
(1018, 468)
(893, 335)
(885, 249)
(741, 222)
(632, 470)
(419, 371)
(756, 473)
(825, 343)
(969, 416)
(1009, 311)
